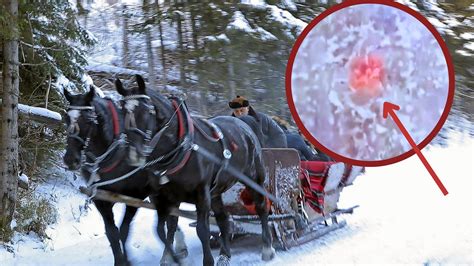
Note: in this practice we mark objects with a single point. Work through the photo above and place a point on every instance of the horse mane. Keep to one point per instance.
(159, 99)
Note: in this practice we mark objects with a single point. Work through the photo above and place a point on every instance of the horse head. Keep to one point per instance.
(89, 126)
(140, 121)
(81, 124)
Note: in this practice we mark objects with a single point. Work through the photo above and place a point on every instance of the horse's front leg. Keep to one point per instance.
(111, 231)
(222, 219)
(203, 206)
(268, 252)
(174, 233)
(125, 228)
(163, 210)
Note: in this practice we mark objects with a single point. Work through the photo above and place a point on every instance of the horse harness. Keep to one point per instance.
(111, 157)
(176, 159)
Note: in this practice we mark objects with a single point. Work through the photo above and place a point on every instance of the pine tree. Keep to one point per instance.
(50, 47)
(9, 121)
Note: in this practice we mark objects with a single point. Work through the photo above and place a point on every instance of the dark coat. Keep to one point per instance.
(295, 141)
(272, 135)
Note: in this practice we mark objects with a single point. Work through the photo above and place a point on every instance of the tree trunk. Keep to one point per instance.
(182, 74)
(125, 49)
(149, 51)
(9, 122)
(230, 74)
(164, 77)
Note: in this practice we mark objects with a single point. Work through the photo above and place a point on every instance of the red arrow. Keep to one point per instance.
(389, 109)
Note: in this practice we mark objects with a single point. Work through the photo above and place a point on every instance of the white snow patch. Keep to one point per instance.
(401, 209)
(286, 18)
(100, 67)
(240, 23)
(24, 178)
(38, 111)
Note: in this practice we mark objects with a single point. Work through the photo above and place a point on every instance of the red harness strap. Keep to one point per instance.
(116, 134)
(182, 132)
(114, 119)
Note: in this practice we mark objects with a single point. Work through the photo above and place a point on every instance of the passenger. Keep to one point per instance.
(296, 141)
(273, 135)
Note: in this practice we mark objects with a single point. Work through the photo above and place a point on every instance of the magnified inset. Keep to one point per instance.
(352, 59)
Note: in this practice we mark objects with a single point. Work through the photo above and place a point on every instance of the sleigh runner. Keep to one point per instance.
(308, 192)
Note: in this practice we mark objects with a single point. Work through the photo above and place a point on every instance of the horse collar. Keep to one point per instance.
(182, 135)
(115, 121)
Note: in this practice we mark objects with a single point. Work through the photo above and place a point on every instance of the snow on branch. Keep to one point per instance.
(99, 67)
(39, 114)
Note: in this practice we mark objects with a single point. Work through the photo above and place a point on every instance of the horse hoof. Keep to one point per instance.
(268, 254)
(223, 260)
(123, 263)
(170, 263)
(181, 254)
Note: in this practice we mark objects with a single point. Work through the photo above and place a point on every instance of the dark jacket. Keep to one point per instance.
(273, 135)
(295, 141)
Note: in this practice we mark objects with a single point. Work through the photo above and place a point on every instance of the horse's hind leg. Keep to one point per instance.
(111, 231)
(203, 206)
(125, 227)
(222, 219)
(268, 252)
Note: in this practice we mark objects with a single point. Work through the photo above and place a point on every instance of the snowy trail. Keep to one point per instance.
(402, 218)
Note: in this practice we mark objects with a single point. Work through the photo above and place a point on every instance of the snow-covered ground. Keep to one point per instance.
(402, 218)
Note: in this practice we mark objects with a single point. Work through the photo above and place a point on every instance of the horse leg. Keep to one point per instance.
(163, 210)
(180, 244)
(125, 228)
(172, 225)
(268, 252)
(203, 206)
(176, 235)
(222, 219)
(111, 231)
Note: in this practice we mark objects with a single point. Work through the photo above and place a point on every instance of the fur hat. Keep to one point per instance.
(238, 102)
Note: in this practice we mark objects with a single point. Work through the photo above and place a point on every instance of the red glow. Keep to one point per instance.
(366, 74)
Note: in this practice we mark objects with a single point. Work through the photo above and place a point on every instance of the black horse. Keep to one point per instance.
(161, 130)
(95, 130)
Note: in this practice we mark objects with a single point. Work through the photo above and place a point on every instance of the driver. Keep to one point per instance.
(273, 135)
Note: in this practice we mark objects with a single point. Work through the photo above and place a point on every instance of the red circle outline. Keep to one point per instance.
(419, 17)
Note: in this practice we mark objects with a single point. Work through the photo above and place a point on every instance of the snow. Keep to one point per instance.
(403, 219)
(38, 111)
(286, 18)
(101, 67)
(240, 23)
(280, 15)
(220, 37)
(24, 178)
(467, 35)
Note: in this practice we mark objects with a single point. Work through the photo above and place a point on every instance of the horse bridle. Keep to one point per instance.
(131, 102)
(150, 141)
(74, 130)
